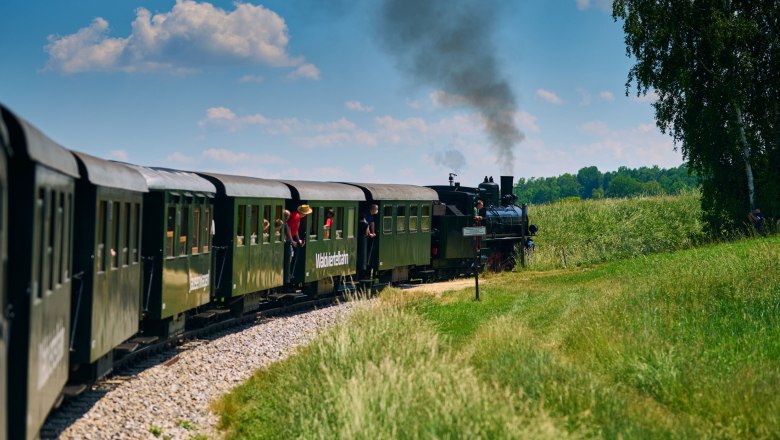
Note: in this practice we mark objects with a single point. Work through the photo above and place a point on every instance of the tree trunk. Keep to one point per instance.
(746, 156)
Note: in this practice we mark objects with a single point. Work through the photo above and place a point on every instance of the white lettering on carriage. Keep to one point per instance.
(323, 261)
(51, 350)
(200, 282)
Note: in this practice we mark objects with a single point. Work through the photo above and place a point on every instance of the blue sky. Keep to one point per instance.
(303, 89)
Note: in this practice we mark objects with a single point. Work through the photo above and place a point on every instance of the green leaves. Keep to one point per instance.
(709, 61)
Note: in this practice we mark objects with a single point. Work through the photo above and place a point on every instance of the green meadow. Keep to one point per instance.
(678, 340)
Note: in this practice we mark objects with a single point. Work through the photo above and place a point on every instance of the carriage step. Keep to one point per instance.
(127, 347)
(219, 312)
(286, 296)
(144, 339)
(205, 315)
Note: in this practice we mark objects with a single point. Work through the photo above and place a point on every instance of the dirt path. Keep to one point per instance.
(446, 286)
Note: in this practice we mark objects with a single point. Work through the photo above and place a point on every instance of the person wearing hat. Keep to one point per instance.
(294, 223)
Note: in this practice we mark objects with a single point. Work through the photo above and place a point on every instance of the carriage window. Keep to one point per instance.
(137, 238)
(425, 223)
(207, 224)
(254, 220)
(240, 225)
(68, 237)
(314, 222)
(63, 238)
(170, 231)
(339, 223)
(52, 217)
(184, 223)
(128, 235)
(327, 223)
(351, 223)
(267, 224)
(387, 220)
(115, 249)
(41, 208)
(413, 210)
(278, 223)
(197, 231)
(100, 256)
(401, 219)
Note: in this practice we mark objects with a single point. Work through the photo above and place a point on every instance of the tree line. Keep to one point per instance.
(590, 183)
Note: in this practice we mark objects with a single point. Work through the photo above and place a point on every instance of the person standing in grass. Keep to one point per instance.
(757, 220)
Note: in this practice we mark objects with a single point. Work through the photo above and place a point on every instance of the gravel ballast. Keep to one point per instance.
(173, 399)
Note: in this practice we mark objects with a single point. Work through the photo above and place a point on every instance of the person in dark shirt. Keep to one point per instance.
(757, 220)
(371, 220)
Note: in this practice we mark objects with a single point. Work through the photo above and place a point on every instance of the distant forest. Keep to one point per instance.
(590, 183)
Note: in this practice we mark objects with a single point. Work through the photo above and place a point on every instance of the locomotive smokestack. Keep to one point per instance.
(507, 184)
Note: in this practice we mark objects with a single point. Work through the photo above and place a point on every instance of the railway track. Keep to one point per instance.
(163, 352)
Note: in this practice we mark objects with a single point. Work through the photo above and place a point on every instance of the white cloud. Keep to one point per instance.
(251, 79)
(585, 98)
(118, 154)
(527, 122)
(181, 158)
(607, 96)
(598, 128)
(306, 71)
(358, 106)
(638, 146)
(192, 35)
(226, 118)
(223, 155)
(604, 5)
(413, 104)
(305, 133)
(548, 96)
(648, 98)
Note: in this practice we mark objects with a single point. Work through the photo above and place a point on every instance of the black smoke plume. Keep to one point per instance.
(448, 44)
(452, 160)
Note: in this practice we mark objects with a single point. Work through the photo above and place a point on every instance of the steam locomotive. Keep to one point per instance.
(509, 234)
(98, 258)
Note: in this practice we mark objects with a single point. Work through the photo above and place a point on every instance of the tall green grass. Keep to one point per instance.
(383, 375)
(579, 232)
(672, 345)
(663, 338)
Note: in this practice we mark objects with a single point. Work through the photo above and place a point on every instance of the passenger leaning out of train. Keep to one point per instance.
(371, 220)
(479, 212)
(328, 222)
(294, 223)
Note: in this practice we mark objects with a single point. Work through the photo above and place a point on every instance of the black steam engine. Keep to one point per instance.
(509, 234)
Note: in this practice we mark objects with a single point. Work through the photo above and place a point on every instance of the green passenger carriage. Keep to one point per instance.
(106, 301)
(248, 241)
(41, 174)
(177, 256)
(403, 228)
(329, 256)
(4, 151)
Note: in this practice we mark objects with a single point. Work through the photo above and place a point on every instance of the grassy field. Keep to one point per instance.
(679, 344)
(594, 231)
